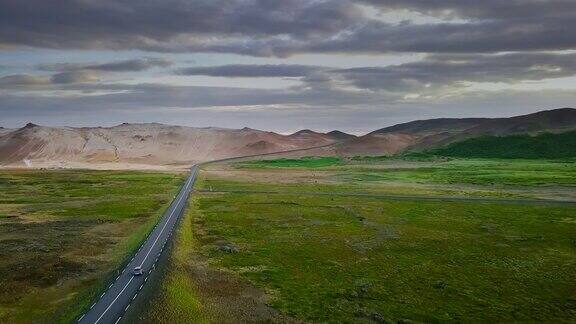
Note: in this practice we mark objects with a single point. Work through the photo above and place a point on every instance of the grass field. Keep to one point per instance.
(63, 233)
(306, 162)
(476, 172)
(538, 179)
(456, 171)
(547, 146)
(332, 258)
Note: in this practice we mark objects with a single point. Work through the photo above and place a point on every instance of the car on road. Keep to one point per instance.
(137, 271)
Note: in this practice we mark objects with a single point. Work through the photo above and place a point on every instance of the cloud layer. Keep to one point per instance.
(428, 58)
(30, 82)
(281, 28)
(437, 71)
(251, 70)
(134, 65)
(432, 73)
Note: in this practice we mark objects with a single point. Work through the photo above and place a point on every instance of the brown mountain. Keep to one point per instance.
(153, 145)
(424, 134)
(4, 131)
(129, 145)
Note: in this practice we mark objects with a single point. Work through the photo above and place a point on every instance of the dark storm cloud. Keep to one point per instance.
(167, 24)
(432, 73)
(22, 80)
(73, 77)
(436, 71)
(251, 70)
(470, 37)
(485, 26)
(43, 82)
(484, 9)
(285, 27)
(118, 66)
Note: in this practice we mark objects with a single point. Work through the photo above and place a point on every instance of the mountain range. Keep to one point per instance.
(154, 145)
(432, 133)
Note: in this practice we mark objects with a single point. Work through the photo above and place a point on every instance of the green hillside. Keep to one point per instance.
(548, 146)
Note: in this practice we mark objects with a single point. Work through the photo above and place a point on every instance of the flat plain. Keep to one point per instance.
(63, 234)
(376, 240)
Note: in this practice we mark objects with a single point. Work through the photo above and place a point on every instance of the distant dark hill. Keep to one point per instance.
(422, 135)
(339, 136)
(305, 132)
(543, 146)
(434, 126)
(548, 120)
(556, 119)
(551, 121)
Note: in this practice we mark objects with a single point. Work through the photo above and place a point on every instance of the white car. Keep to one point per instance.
(138, 271)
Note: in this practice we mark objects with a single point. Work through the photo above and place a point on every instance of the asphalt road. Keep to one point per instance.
(116, 300)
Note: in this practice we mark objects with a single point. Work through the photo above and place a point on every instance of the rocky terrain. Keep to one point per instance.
(142, 145)
(160, 146)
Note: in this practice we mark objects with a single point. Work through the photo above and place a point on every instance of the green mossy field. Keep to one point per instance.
(63, 234)
(307, 162)
(542, 146)
(323, 254)
(345, 259)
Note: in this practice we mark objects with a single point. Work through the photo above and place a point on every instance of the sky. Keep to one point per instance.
(282, 65)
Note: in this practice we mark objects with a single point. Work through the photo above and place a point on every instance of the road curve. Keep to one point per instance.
(116, 300)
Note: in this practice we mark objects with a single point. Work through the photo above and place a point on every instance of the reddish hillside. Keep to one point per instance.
(157, 144)
(151, 144)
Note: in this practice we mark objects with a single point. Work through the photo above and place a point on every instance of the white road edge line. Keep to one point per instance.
(182, 195)
(112, 303)
(118, 320)
(81, 317)
(163, 227)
